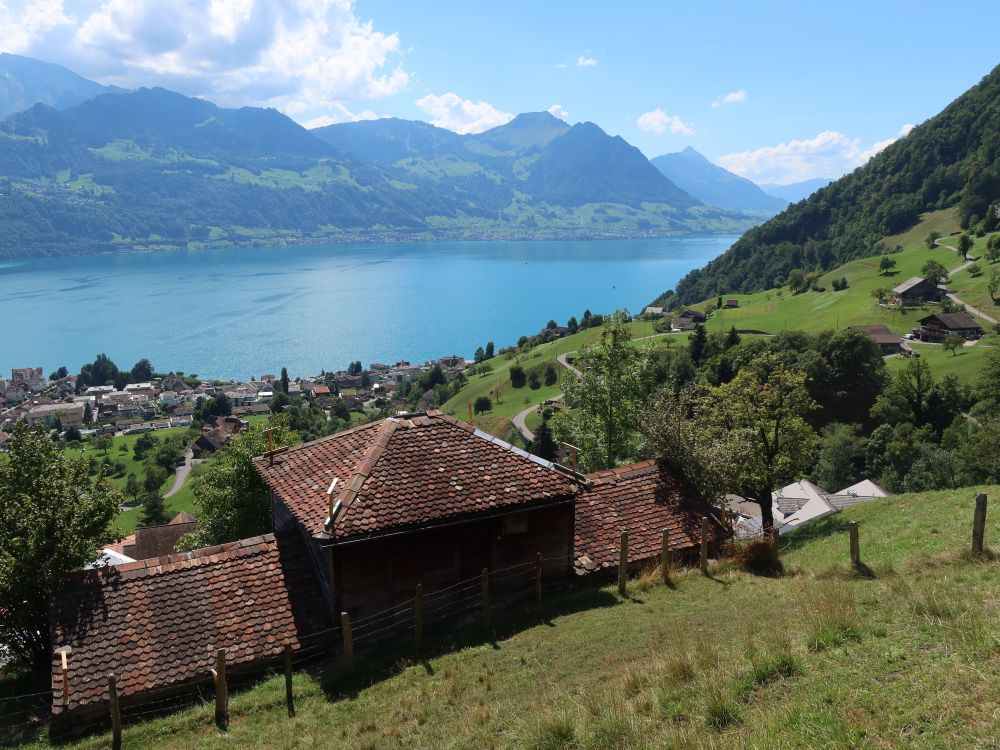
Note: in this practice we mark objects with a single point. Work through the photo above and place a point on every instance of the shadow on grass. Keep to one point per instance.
(381, 664)
(824, 527)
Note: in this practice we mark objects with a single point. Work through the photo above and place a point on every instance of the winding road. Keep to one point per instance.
(954, 297)
(181, 475)
(519, 419)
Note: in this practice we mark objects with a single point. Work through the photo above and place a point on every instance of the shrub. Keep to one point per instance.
(482, 404)
(517, 376)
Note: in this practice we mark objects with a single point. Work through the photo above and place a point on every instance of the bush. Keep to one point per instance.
(482, 404)
(534, 382)
(517, 376)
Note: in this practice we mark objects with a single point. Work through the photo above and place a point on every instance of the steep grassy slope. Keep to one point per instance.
(817, 658)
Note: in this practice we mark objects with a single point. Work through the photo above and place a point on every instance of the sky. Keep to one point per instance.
(774, 91)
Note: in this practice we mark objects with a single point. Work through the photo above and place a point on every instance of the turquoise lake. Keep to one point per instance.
(239, 312)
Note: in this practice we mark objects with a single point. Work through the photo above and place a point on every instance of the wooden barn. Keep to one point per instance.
(422, 498)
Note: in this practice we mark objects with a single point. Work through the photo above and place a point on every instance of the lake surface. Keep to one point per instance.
(249, 311)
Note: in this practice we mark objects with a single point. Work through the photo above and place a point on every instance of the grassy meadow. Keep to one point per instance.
(818, 657)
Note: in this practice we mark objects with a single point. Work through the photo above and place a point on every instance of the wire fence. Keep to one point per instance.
(23, 717)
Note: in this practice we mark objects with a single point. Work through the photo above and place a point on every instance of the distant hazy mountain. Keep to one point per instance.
(586, 165)
(25, 82)
(535, 154)
(153, 168)
(714, 185)
(796, 191)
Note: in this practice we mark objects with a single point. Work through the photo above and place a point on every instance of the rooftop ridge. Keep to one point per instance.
(155, 565)
(622, 471)
(363, 469)
(325, 439)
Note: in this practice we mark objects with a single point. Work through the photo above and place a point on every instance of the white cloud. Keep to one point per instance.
(462, 115)
(584, 61)
(731, 98)
(560, 66)
(309, 58)
(659, 121)
(829, 154)
(340, 114)
(558, 110)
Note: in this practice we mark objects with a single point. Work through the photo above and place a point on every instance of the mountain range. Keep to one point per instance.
(714, 185)
(951, 161)
(25, 82)
(153, 168)
(794, 192)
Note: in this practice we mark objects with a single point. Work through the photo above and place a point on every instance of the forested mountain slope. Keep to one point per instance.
(951, 159)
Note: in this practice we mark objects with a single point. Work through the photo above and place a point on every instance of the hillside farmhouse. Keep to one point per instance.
(360, 518)
(939, 326)
(915, 291)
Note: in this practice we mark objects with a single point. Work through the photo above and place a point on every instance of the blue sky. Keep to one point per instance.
(799, 90)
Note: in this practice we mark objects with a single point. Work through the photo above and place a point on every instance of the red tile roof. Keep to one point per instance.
(159, 622)
(155, 541)
(642, 499)
(409, 471)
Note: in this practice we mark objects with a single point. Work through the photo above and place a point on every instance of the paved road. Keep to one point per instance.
(181, 475)
(518, 420)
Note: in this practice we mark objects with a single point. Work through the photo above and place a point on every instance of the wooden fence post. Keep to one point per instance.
(64, 653)
(703, 559)
(855, 545)
(418, 616)
(486, 597)
(538, 580)
(345, 629)
(116, 715)
(979, 525)
(623, 563)
(665, 556)
(221, 690)
(289, 698)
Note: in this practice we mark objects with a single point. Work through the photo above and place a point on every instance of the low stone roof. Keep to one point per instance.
(409, 471)
(159, 622)
(155, 541)
(642, 499)
(881, 334)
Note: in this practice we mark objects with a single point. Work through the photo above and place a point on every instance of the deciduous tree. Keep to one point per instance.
(232, 499)
(53, 519)
(606, 396)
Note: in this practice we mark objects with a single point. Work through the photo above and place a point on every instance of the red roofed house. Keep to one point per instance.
(422, 499)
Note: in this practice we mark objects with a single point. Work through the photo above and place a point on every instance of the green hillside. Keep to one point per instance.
(775, 310)
(950, 161)
(816, 658)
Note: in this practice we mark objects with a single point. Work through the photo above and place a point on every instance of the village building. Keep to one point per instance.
(67, 415)
(888, 341)
(31, 378)
(937, 327)
(153, 541)
(915, 291)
